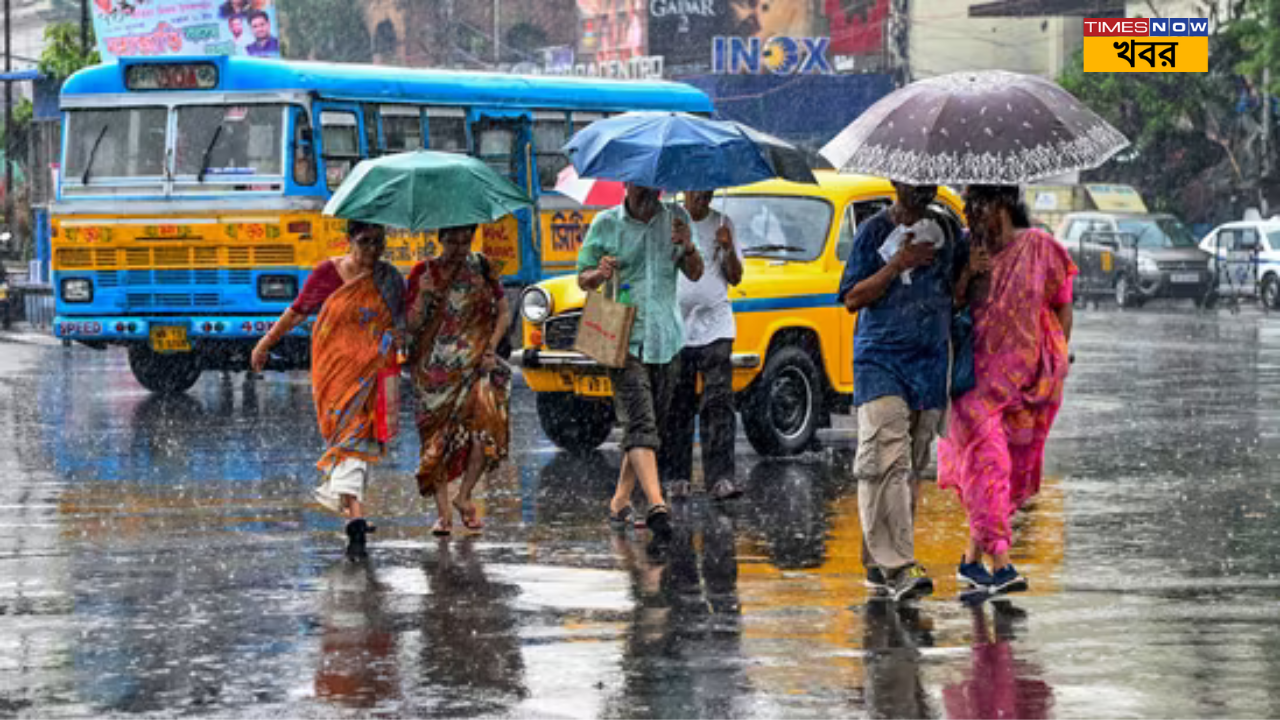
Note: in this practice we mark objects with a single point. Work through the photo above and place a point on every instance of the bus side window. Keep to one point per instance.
(550, 133)
(401, 128)
(304, 149)
(340, 143)
(447, 129)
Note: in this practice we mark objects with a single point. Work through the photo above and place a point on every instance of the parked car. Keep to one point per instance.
(1135, 258)
(793, 357)
(1247, 259)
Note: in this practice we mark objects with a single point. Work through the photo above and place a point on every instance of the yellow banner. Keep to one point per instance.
(1146, 54)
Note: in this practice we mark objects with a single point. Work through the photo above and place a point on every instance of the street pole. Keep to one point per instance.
(497, 36)
(8, 121)
(84, 26)
(1266, 137)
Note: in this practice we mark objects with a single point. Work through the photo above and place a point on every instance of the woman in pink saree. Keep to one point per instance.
(1018, 287)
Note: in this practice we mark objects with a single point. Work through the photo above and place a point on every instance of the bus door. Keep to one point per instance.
(503, 141)
(341, 143)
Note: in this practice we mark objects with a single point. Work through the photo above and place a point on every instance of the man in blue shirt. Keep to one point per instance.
(900, 367)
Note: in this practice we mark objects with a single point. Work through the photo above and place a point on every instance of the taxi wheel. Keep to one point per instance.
(781, 413)
(575, 424)
(163, 374)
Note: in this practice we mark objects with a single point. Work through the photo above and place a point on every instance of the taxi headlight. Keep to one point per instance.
(535, 305)
(1148, 266)
(77, 290)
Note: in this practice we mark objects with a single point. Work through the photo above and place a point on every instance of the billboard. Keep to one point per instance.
(128, 28)
(857, 27)
(681, 31)
(612, 30)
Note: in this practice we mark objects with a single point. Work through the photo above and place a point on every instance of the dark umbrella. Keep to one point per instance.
(980, 128)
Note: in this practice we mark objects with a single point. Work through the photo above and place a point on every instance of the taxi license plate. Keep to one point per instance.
(1186, 277)
(593, 386)
(170, 339)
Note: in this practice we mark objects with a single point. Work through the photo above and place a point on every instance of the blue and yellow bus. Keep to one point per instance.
(190, 190)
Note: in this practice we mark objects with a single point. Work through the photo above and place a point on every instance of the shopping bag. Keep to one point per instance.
(604, 330)
(387, 404)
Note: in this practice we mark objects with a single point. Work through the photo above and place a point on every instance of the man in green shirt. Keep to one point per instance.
(645, 244)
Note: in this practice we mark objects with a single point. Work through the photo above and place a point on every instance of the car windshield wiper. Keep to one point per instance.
(93, 154)
(208, 153)
(766, 249)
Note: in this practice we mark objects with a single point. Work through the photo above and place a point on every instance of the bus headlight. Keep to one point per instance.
(77, 290)
(535, 305)
(277, 287)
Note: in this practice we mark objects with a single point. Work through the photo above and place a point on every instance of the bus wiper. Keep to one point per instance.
(208, 154)
(765, 249)
(93, 154)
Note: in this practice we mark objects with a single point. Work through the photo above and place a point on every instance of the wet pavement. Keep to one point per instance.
(159, 556)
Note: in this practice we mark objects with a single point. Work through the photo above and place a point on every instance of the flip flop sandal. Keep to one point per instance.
(441, 530)
(620, 520)
(469, 519)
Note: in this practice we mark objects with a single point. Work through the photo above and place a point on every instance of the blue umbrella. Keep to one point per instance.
(675, 151)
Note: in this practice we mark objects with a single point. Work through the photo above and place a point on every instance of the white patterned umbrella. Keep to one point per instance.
(975, 128)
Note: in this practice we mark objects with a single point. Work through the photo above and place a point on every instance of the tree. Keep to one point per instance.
(63, 55)
(330, 30)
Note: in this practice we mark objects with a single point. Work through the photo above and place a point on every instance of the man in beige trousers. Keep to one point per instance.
(899, 279)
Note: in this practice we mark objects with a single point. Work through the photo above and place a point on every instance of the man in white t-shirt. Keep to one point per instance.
(709, 331)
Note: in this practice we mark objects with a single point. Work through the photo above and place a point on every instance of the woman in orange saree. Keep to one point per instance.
(1018, 287)
(457, 317)
(360, 301)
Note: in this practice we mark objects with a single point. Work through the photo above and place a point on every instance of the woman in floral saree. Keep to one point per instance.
(360, 300)
(1018, 286)
(457, 316)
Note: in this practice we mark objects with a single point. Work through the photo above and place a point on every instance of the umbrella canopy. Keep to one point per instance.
(425, 190)
(984, 128)
(674, 151)
(590, 191)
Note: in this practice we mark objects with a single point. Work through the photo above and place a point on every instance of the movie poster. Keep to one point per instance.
(128, 28)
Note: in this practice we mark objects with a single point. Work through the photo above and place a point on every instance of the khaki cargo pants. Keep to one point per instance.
(894, 442)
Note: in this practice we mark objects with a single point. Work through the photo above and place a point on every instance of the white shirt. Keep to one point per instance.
(705, 306)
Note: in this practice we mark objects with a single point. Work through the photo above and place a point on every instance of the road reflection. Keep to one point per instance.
(358, 663)
(998, 685)
(683, 647)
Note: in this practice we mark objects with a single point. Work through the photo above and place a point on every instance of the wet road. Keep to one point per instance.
(159, 557)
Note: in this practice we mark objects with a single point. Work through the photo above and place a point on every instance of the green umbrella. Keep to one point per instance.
(425, 190)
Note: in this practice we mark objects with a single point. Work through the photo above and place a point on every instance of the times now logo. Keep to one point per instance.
(1146, 27)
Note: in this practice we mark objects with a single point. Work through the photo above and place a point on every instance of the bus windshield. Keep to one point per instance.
(120, 143)
(221, 140)
(212, 142)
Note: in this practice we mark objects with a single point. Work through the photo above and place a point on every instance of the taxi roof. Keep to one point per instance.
(836, 185)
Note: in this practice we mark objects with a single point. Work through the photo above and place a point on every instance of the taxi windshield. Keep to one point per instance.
(778, 227)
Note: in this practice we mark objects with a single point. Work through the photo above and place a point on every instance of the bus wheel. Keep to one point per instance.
(575, 424)
(163, 374)
(781, 413)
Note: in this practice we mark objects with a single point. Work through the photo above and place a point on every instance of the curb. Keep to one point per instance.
(27, 336)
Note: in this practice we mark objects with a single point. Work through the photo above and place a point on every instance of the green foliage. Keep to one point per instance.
(329, 30)
(63, 55)
(1257, 33)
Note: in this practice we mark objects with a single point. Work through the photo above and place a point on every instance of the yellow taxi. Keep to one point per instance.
(793, 357)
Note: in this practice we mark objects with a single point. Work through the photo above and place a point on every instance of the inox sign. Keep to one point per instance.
(778, 55)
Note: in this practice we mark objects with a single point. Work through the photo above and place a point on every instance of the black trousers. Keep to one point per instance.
(718, 422)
